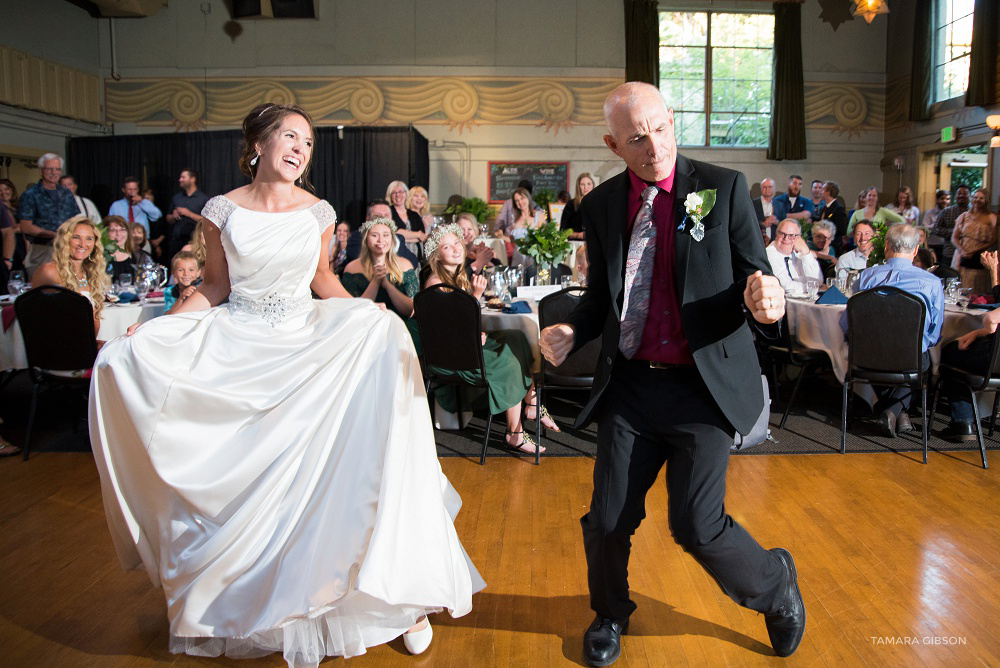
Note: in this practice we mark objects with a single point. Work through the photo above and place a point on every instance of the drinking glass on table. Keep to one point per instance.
(964, 294)
(15, 282)
(812, 287)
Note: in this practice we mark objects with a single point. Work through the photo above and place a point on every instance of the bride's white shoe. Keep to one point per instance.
(418, 641)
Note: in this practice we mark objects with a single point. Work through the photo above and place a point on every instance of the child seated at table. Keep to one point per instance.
(507, 356)
(186, 271)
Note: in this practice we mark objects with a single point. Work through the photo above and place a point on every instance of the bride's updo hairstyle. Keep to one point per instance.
(258, 127)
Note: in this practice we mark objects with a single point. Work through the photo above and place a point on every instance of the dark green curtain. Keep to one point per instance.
(983, 56)
(642, 41)
(788, 109)
(922, 64)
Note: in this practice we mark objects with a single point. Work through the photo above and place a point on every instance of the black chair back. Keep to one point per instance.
(58, 328)
(449, 323)
(554, 309)
(885, 329)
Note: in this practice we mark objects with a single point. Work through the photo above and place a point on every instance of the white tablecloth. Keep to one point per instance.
(818, 326)
(114, 321)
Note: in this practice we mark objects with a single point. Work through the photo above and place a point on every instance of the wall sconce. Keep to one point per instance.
(994, 124)
(868, 9)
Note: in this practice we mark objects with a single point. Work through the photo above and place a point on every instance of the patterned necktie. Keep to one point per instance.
(638, 275)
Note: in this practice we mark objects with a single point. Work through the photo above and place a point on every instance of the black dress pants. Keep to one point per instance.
(651, 417)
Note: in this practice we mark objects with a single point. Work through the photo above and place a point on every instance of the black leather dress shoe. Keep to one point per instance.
(787, 624)
(959, 432)
(602, 643)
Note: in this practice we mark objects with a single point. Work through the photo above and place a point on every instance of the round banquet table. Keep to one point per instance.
(114, 321)
(818, 326)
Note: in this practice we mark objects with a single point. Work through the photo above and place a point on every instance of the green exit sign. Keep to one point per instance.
(949, 134)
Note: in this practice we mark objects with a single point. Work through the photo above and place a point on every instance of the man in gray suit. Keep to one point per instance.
(671, 290)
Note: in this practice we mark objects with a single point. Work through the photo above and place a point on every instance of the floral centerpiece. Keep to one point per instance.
(877, 254)
(547, 245)
(474, 205)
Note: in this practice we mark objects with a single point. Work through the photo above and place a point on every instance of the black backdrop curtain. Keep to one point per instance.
(350, 167)
(642, 41)
(983, 57)
(922, 65)
(788, 107)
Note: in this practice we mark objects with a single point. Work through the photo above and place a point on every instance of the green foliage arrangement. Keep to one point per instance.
(877, 256)
(110, 247)
(543, 199)
(547, 244)
(474, 205)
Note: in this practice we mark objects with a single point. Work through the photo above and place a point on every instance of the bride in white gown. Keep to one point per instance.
(271, 462)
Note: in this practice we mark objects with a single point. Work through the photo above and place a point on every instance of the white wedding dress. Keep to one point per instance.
(271, 461)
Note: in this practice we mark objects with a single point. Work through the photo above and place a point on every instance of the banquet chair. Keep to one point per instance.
(449, 322)
(59, 342)
(787, 350)
(975, 382)
(885, 330)
(577, 371)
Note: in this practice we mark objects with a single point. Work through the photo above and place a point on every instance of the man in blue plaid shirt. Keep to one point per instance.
(43, 208)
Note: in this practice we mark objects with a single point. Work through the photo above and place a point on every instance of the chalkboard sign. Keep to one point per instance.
(504, 177)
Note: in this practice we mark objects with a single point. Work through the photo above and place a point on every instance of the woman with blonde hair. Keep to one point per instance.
(572, 219)
(197, 243)
(77, 263)
(975, 231)
(418, 200)
(382, 276)
(408, 222)
(506, 353)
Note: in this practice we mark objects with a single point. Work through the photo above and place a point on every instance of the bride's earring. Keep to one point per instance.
(254, 161)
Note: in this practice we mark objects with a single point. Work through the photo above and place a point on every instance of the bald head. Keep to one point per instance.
(641, 130)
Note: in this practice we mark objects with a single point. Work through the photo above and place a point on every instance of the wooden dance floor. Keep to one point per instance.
(897, 563)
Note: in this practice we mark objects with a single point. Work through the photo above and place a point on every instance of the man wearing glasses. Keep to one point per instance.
(43, 208)
(858, 258)
(791, 260)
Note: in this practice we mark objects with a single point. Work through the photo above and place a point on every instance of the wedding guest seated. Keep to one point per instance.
(197, 244)
(77, 263)
(858, 257)
(127, 259)
(185, 271)
(525, 215)
(477, 256)
(506, 353)
(506, 215)
(901, 242)
(970, 353)
(791, 260)
(140, 240)
(378, 208)
(338, 247)
(904, 205)
(823, 233)
(925, 259)
(418, 201)
(409, 223)
(381, 275)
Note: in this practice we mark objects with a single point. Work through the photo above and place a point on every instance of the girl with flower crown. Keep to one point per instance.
(506, 353)
(381, 275)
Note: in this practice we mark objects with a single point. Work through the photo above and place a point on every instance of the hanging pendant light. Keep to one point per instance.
(868, 9)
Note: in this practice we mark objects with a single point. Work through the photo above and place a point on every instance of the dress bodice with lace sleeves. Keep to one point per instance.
(270, 254)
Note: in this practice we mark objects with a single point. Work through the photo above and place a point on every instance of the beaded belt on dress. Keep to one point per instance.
(272, 308)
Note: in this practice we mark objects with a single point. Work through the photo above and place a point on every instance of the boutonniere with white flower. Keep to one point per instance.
(697, 206)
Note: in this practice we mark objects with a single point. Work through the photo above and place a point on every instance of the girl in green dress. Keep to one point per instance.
(506, 353)
(381, 275)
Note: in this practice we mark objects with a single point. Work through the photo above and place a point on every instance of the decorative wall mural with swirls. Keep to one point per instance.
(552, 103)
(848, 108)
